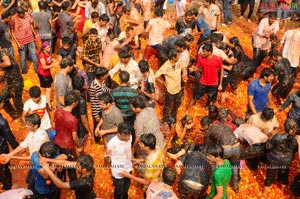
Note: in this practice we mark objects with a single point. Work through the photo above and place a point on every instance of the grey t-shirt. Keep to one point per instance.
(62, 85)
(42, 21)
(111, 120)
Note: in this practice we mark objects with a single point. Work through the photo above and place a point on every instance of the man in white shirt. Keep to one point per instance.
(37, 104)
(211, 14)
(180, 8)
(94, 6)
(126, 63)
(255, 140)
(156, 29)
(119, 150)
(33, 141)
(291, 48)
(266, 121)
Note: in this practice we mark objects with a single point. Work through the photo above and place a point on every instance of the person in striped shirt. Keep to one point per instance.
(23, 34)
(98, 87)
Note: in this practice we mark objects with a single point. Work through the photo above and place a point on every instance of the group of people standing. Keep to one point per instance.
(123, 89)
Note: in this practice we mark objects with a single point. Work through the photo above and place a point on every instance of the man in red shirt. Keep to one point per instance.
(66, 126)
(210, 65)
(22, 30)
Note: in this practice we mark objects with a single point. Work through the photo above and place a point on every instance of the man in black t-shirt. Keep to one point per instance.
(5, 38)
(85, 171)
(67, 50)
(185, 25)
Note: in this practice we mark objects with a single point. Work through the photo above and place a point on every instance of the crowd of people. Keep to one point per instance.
(121, 89)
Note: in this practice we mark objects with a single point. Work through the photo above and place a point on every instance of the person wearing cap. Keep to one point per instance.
(45, 62)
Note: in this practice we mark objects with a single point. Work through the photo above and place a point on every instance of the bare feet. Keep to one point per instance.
(266, 190)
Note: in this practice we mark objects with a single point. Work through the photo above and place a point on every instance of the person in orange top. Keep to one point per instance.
(126, 19)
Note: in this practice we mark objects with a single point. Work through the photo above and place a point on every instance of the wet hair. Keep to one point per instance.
(138, 102)
(181, 43)
(159, 12)
(206, 120)
(124, 128)
(35, 91)
(66, 40)
(65, 62)
(4, 95)
(273, 37)
(185, 119)
(65, 5)
(207, 47)
(215, 150)
(149, 140)
(87, 162)
(124, 53)
(194, 11)
(125, 9)
(104, 17)
(169, 176)
(188, 38)
(266, 72)
(213, 112)
(94, 15)
(239, 121)
(77, 82)
(124, 76)
(268, 114)
(20, 10)
(189, 13)
(128, 28)
(42, 5)
(272, 15)
(48, 150)
(70, 98)
(93, 31)
(170, 120)
(274, 53)
(289, 125)
(215, 38)
(172, 53)
(143, 66)
(223, 46)
(101, 72)
(106, 98)
(222, 114)
(33, 119)
(235, 41)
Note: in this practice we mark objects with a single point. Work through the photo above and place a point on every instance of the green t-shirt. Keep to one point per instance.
(221, 177)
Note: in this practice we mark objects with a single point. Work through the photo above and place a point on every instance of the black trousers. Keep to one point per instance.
(71, 171)
(172, 104)
(258, 56)
(16, 109)
(244, 5)
(121, 188)
(5, 176)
